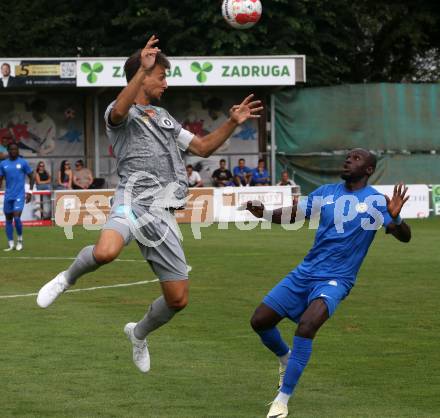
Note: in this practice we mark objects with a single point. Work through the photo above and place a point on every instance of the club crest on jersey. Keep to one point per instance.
(150, 113)
(18, 166)
(166, 123)
(361, 207)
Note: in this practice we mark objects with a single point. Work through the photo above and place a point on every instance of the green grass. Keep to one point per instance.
(379, 355)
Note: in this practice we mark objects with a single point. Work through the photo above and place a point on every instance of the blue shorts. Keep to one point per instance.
(292, 295)
(13, 205)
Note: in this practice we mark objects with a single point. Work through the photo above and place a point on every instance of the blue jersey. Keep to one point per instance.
(260, 177)
(14, 172)
(348, 222)
(241, 172)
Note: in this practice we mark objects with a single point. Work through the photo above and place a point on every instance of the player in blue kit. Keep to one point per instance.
(14, 170)
(349, 213)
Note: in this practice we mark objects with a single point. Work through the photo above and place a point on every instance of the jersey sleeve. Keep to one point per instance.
(108, 124)
(27, 168)
(387, 219)
(2, 172)
(305, 205)
(183, 137)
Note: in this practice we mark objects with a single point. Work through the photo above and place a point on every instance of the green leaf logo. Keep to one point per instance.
(91, 71)
(201, 70)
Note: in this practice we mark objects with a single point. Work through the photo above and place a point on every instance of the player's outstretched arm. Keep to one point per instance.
(238, 114)
(277, 216)
(128, 95)
(398, 228)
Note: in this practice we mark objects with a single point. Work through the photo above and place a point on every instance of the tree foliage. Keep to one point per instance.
(344, 41)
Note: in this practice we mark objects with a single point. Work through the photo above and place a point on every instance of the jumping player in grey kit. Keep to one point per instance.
(148, 145)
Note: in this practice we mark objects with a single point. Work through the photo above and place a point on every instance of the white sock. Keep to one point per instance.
(283, 398)
(284, 359)
(20, 238)
(11, 243)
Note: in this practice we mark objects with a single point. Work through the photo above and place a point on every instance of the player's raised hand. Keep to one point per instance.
(395, 204)
(247, 109)
(148, 53)
(255, 207)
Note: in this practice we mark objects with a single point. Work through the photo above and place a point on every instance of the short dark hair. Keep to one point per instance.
(11, 144)
(222, 160)
(134, 62)
(189, 166)
(79, 162)
(261, 160)
(241, 159)
(7, 64)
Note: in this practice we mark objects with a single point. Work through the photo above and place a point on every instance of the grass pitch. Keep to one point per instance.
(378, 356)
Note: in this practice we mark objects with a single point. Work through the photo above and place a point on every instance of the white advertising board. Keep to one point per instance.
(196, 71)
(418, 203)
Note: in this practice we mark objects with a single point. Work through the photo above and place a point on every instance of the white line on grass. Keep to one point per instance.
(83, 290)
(65, 258)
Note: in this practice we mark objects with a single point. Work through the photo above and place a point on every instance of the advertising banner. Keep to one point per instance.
(436, 198)
(418, 203)
(30, 73)
(197, 71)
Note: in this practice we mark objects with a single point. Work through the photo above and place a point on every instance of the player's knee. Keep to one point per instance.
(307, 328)
(257, 323)
(105, 254)
(178, 303)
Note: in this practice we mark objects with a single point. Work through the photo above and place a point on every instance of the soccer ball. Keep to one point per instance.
(241, 14)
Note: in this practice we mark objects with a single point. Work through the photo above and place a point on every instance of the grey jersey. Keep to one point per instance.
(148, 146)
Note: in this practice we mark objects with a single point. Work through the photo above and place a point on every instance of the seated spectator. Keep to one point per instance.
(82, 176)
(42, 177)
(260, 176)
(242, 174)
(222, 177)
(194, 179)
(285, 181)
(4, 149)
(64, 176)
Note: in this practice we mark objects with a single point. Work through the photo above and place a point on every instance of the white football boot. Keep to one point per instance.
(141, 356)
(51, 290)
(19, 245)
(10, 246)
(278, 410)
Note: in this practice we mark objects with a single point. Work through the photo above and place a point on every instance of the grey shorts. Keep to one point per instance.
(159, 244)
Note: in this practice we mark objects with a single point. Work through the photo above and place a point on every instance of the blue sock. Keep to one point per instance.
(18, 226)
(9, 230)
(271, 338)
(301, 352)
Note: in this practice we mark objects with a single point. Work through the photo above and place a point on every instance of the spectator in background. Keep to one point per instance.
(64, 177)
(6, 79)
(194, 179)
(260, 176)
(42, 177)
(82, 176)
(242, 174)
(222, 177)
(285, 181)
(3, 149)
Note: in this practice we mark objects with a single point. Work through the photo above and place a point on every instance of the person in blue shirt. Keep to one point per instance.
(349, 213)
(14, 170)
(242, 174)
(260, 176)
